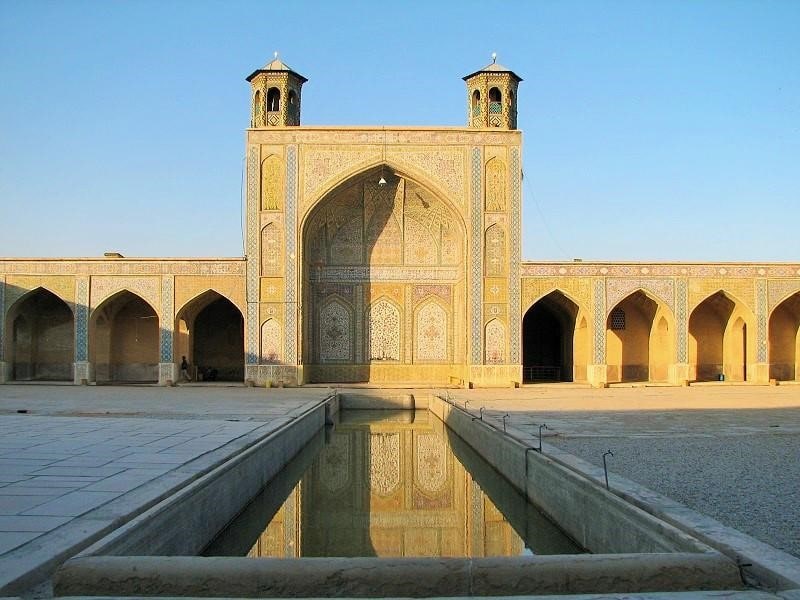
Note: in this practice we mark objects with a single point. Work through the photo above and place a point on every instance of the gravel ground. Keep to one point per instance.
(749, 482)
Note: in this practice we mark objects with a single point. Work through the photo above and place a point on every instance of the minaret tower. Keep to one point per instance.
(275, 98)
(492, 96)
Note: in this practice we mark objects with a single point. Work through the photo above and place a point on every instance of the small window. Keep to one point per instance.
(617, 320)
(273, 99)
(292, 99)
(495, 95)
(476, 98)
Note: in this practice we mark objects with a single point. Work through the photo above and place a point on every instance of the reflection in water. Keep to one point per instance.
(388, 484)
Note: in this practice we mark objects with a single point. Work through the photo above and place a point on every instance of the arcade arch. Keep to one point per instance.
(721, 339)
(555, 340)
(210, 333)
(41, 341)
(124, 335)
(639, 344)
(374, 248)
(784, 340)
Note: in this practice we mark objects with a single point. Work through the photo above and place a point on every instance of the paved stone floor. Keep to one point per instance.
(70, 464)
(80, 456)
(730, 452)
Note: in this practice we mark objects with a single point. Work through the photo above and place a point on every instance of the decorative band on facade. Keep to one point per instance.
(82, 319)
(761, 315)
(514, 284)
(599, 322)
(290, 295)
(251, 246)
(168, 316)
(682, 320)
(476, 259)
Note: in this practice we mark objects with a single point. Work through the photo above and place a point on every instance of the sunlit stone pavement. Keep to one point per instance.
(728, 451)
(80, 459)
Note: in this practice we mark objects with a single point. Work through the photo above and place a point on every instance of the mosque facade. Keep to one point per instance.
(392, 256)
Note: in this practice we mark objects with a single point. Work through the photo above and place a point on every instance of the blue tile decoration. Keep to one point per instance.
(761, 320)
(167, 317)
(252, 235)
(514, 281)
(290, 298)
(476, 259)
(81, 319)
(599, 322)
(682, 320)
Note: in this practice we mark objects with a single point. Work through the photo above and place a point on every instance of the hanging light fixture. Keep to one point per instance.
(382, 180)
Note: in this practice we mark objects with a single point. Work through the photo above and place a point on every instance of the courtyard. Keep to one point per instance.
(74, 459)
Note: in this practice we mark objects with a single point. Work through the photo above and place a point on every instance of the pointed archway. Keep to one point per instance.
(211, 335)
(720, 339)
(41, 344)
(554, 340)
(124, 340)
(784, 340)
(376, 250)
(638, 339)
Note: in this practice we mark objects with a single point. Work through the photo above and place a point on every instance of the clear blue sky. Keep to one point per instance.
(653, 130)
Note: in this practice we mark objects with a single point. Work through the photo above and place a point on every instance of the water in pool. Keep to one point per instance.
(389, 484)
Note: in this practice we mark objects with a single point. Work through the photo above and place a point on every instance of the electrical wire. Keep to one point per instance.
(529, 193)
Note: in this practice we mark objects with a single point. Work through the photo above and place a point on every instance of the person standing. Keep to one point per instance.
(185, 369)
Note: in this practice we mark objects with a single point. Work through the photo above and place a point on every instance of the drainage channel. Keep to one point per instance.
(399, 505)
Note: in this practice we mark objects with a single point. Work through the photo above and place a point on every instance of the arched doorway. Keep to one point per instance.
(719, 339)
(554, 340)
(379, 251)
(784, 340)
(638, 340)
(125, 336)
(42, 338)
(211, 336)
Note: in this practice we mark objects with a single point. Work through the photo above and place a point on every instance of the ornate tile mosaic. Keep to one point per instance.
(495, 342)
(476, 258)
(515, 242)
(335, 333)
(682, 319)
(148, 288)
(271, 343)
(599, 322)
(290, 325)
(364, 274)
(167, 317)
(762, 314)
(780, 290)
(384, 331)
(251, 356)
(431, 332)
(251, 250)
(619, 288)
(81, 319)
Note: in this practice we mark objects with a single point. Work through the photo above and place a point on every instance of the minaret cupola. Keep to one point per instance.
(492, 96)
(275, 99)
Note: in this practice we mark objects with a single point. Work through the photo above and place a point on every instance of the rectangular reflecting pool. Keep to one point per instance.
(389, 484)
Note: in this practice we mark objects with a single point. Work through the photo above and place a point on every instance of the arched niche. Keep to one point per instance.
(721, 339)
(784, 340)
(124, 339)
(639, 337)
(41, 343)
(210, 334)
(555, 343)
(379, 234)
